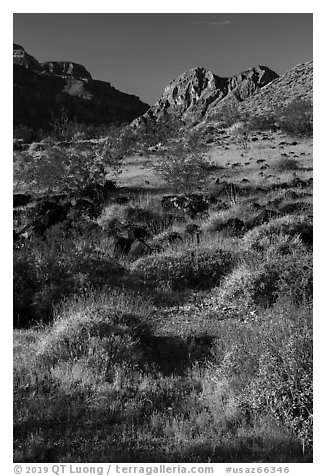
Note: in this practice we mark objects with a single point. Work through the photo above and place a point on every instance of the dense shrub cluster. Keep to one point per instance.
(46, 271)
(66, 169)
(218, 368)
(268, 363)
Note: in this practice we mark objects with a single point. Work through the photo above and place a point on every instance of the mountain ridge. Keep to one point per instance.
(41, 90)
(198, 95)
(195, 91)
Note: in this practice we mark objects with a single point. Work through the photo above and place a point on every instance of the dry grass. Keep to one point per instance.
(186, 355)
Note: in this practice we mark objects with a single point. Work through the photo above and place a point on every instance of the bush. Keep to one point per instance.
(198, 268)
(46, 271)
(183, 172)
(184, 168)
(69, 170)
(229, 115)
(261, 123)
(287, 164)
(296, 118)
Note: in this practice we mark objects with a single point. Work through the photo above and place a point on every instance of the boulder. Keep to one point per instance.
(122, 245)
(21, 199)
(174, 237)
(192, 204)
(138, 250)
(235, 226)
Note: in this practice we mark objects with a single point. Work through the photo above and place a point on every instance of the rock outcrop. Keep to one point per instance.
(198, 91)
(24, 59)
(42, 90)
(66, 69)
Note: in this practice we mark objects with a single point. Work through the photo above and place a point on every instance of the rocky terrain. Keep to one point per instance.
(197, 92)
(198, 95)
(42, 89)
(294, 84)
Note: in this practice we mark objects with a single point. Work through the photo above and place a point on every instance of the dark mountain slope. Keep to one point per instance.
(43, 89)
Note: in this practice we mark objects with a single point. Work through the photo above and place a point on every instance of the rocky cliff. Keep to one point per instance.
(41, 90)
(66, 69)
(197, 92)
(294, 84)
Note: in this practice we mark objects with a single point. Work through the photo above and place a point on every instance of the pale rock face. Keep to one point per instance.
(66, 69)
(198, 91)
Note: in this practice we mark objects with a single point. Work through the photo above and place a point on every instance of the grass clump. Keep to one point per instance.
(263, 281)
(282, 233)
(195, 268)
(100, 328)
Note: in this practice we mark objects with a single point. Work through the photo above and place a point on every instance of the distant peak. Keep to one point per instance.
(197, 70)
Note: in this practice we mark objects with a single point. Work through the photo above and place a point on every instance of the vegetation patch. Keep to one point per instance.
(168, 321)
(196, 268)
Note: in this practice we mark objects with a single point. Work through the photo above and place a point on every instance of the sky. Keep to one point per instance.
(141, 53)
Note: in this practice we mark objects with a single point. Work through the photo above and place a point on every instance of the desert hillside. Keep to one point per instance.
(163, 272)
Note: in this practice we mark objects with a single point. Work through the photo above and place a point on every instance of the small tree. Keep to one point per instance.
(185, 168)
(157, 131)
(61, 125)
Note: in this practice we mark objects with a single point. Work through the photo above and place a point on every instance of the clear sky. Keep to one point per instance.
(141, 53)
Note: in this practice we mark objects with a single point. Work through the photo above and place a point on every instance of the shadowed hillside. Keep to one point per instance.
(42, 90)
